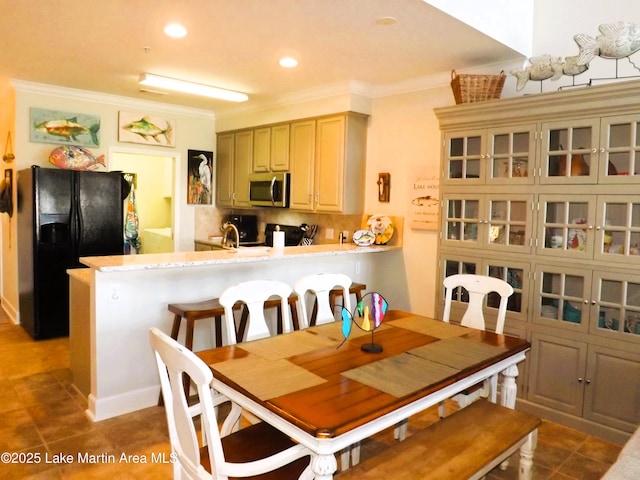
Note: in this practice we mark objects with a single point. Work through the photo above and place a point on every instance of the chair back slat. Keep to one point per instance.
(321, 284)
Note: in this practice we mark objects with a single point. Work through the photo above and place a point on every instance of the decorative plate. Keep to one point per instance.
(363, 238)
(382, 228)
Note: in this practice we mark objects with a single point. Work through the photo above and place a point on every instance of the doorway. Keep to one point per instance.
(153, 187)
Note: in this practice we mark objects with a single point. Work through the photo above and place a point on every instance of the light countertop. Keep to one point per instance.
(119, 263)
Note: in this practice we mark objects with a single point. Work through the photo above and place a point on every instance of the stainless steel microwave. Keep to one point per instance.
(269, 189)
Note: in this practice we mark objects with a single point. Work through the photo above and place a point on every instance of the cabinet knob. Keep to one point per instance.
(594, 150)
(593, 302)
(586, 302)
(580, 379)
(588, 381)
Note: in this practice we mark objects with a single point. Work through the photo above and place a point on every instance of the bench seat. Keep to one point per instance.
(465, 445)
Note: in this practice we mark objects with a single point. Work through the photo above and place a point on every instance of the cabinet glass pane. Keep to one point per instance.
(623, 149)
(508, 222)
(611, 291)
(464, 157)
(622, 228)
(453, 267)
(561, 297)
(569, 152)
(513, 276)
(562, 225)
(510, 155)
(619, 135)
(619, 300)
(456, 147)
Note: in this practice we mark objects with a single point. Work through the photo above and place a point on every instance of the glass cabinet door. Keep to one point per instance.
(618, 229)
(461, 217)
(620, 149)
(562, 297)
(512, 155)
(515, 274)
(616, 306)
(569, 152)
(565, 225)
(509, 222)
(464, 158)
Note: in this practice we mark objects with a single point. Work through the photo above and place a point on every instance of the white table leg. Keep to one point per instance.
(324, 466)
(526, 456)
(508, 394)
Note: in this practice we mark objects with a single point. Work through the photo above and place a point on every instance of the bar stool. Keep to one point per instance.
(356, 289)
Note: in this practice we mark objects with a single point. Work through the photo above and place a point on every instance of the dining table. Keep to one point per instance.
(328, 393)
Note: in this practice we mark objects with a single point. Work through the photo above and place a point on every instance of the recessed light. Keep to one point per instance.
(175, 30)
(288, 62)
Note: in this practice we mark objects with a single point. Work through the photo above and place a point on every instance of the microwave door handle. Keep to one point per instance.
(271, 188)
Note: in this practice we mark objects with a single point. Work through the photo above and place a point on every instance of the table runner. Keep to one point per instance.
(428, 326)
(267, 378)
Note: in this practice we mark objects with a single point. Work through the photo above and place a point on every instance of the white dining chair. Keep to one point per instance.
(477, 288)
(204, 452)
(254, 294)
(320, 285)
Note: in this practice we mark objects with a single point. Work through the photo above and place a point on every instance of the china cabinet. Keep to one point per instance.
(542, 191)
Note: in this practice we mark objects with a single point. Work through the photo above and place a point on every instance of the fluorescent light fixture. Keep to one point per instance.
(167, 83)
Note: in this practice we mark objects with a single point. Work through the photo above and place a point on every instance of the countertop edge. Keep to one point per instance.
(121, 263)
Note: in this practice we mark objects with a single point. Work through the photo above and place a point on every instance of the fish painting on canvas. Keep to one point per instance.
(65, 128)
(616, 40)
(138, 128)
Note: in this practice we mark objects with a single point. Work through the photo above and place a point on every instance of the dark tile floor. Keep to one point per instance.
(42, 417)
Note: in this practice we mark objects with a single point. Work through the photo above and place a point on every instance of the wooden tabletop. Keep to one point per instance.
(325, 388)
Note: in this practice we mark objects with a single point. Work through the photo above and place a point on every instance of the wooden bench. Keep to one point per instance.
(465, 445)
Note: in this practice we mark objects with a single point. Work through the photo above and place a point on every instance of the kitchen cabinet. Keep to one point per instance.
(324, 180)
(547, 185)
(271, 149)
(235, 163)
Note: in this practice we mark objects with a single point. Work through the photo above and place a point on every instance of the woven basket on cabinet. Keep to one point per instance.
(476, 88)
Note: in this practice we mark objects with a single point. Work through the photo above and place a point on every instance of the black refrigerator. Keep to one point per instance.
(62, 215)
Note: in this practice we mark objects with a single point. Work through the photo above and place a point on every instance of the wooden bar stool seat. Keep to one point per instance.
(356, 289)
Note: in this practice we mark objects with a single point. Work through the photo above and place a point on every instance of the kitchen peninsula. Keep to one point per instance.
(130, 294)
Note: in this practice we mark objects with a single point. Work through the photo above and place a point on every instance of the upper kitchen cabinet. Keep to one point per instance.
(271, 149)
(327, 165)
(235, 162)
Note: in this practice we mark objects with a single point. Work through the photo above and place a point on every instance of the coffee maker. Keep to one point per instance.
(247, 226)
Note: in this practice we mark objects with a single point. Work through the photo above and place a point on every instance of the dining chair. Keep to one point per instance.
(255, 294)
(322, 286)
(477, 288)
(202, 450)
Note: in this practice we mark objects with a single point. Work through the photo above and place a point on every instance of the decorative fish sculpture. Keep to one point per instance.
(147, 129)
(68, 128)
(542, 67)
(76, 158)
(571, 67)
(617, 40)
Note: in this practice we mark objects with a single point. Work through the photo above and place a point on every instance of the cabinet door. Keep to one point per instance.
(561, 297)
(243, 164)
(279, 148)
(329, 169)
(512, 155)
(261, 149)
(612, 388)
(618, 229)
(224, 170)
(619, 149)
(565, 226)
(616, 306)
(302, 157)
(464, 158)
(569, 152)
(509, 223)
(461, 222)
(556, 373)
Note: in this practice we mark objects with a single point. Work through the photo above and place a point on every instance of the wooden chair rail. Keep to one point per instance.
(465, 445)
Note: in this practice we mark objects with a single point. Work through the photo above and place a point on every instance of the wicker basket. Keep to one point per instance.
(476, 88)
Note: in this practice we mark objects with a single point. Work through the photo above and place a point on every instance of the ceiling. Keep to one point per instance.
(105, 45)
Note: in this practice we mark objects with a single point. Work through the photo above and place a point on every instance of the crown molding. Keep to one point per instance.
(23, 86)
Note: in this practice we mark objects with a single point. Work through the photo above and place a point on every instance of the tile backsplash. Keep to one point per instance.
(208, 221)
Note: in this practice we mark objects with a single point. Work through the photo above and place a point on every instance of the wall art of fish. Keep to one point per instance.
(76, 158)
(542, 67)
(69, 129)
(147, 129)
(616, 40)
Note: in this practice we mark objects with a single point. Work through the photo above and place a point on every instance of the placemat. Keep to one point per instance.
(429, 326)
(457, 352)
(290, 344)
(334, 330)
(267, 378)
(400, 375)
